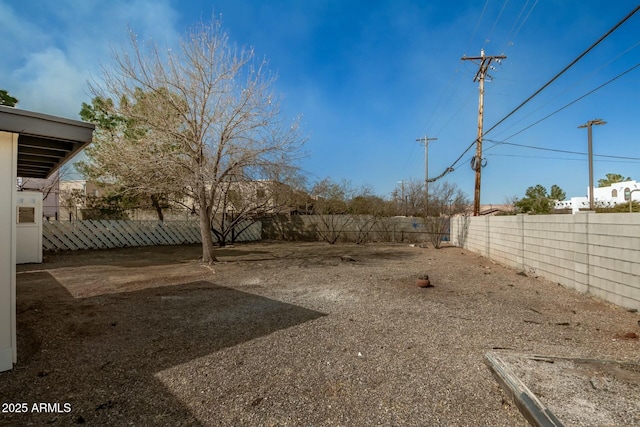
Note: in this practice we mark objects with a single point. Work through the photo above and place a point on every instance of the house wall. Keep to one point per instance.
(592, 253)
(614, 194)
(65, 188)
(50, 188)
(29, 234)
(248, 194)
(8, 162)
(603, 196)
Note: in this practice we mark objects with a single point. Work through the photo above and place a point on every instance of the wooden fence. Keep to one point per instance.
(89, 234)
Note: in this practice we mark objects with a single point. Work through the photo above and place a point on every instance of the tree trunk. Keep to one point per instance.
(207, 239)
(156, 205)
(205, 227)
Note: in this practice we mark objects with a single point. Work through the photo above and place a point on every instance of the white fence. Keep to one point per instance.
(74, 235)
(592, 253)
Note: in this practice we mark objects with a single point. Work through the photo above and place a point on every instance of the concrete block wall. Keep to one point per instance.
(506, 242)
(614, 257)
(554, 248)
(592, 253)
(476, 233)
(305, 227)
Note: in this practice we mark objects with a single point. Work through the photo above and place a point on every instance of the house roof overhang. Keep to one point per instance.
(45, 142)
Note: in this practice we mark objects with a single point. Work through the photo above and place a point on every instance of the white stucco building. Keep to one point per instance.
(32, 145)
(615, 194)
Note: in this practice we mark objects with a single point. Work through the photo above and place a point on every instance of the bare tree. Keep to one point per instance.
(510, 204)
(71, 202)
(369, 210)
(331, 209)
(242, 203)
(45, 186)
(331, 197)
(409, 197)
(445, 200)
(49, 187)
(205, 115)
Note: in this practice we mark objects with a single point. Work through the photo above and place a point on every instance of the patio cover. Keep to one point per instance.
(45, 142)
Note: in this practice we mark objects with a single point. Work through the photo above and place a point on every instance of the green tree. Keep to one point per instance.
(114, 158)
(557, 194)
(620, 207)
(538, 201)
(110, 206)
(6, 99)
(612, 178)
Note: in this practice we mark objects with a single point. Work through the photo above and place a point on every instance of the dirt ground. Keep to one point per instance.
(290, 334)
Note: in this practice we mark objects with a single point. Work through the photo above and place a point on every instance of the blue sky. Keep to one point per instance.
(370, 77)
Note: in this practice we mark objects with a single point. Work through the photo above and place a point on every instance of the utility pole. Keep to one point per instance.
(404, 200)
(476, 163)
(425, 141)
(588, 126)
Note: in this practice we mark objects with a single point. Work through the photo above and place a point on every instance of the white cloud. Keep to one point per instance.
(49, 83)
(18, 36)
(51, 49)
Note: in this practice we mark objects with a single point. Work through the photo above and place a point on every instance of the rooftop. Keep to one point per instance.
(45, 142)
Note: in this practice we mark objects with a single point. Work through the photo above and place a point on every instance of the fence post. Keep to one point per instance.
(523, 262)
(488, 231)
(587, 244)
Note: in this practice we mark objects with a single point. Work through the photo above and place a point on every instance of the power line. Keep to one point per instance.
(477, 24)
(512, 35)
(621, 54)
(448, 87)
(589, 49)
(556, 150)
(487, 39)
(506, 43)
(560, 158)
(536, 157)
(604, 36)
(576, 100)
(460, 108)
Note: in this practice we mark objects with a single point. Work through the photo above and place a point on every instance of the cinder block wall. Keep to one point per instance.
(305, 228)
(592, 253)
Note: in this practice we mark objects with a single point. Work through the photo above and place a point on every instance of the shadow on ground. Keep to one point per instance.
(103, 341)
(139, 256)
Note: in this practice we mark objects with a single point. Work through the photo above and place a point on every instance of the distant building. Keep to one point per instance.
(70, 208)
(604, 197)
(495, 209)
(50, 189)
(260, 196)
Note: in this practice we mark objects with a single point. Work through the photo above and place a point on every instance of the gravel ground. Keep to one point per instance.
(291, 334)
(582, 391)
